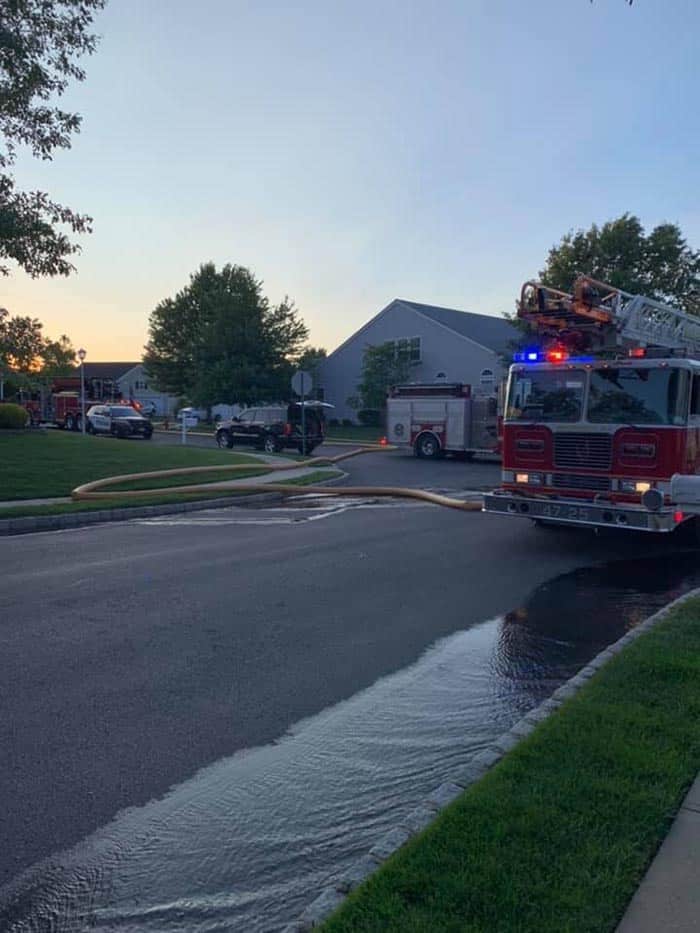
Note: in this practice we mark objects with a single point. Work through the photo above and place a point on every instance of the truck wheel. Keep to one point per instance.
(70, 423)
(428, 446)
(271, 445)
(224, 439)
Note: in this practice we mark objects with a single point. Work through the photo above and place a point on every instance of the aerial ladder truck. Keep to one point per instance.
(602, 414)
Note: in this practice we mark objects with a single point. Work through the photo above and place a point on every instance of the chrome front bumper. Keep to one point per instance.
(578, 512)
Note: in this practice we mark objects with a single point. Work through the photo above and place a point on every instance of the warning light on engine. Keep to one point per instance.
(637, 353)
(557, 355)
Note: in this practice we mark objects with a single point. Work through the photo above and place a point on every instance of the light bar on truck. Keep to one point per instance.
(553, 355)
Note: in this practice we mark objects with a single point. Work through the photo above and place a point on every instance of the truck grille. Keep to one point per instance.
(590, 451)
(574, 481)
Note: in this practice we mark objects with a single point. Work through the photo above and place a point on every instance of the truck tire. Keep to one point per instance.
(428, 446)
(271, 444)
(70, 422)
(224, 439)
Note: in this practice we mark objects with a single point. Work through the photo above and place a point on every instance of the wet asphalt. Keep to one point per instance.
(136, 653)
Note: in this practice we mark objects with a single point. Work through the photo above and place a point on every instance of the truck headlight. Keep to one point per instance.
(633, 485)
(532, 479)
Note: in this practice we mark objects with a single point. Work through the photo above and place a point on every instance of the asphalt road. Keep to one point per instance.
(397, 468)
(136, 653)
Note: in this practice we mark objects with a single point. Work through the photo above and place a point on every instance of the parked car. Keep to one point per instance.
(274, 428)
(119, 420)
(191, 416)
(148, 409)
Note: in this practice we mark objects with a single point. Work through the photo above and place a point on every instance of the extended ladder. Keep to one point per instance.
(600, 316)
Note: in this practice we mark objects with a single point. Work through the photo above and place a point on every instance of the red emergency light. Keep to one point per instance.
(637, 353)
(557, 355)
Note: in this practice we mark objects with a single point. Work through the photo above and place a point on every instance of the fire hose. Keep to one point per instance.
(100, 488)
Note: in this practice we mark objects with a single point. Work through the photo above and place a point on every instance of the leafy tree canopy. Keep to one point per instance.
(29, 358)
(219, 340)
(659, 264)
(40, 44)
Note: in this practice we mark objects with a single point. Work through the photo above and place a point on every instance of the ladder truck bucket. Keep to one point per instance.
(596, 315)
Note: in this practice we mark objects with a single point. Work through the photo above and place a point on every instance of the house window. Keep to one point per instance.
(407, 349)
(140, 384)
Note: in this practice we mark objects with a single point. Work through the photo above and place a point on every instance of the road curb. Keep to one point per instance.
(33, 523)
(332, 896)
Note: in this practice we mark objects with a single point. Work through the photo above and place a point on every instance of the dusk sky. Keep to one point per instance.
(351, 153)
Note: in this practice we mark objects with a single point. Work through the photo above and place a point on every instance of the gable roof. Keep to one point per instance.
(486, 330)
(106, 370)
(494, 333)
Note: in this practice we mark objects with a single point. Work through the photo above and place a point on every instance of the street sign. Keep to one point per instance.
(302, 383)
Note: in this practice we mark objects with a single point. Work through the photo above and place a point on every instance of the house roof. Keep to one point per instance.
(488, 331)
(106, 370)
(494, 333)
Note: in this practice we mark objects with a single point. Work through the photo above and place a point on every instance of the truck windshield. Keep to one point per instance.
(638, 396)
(545, 395)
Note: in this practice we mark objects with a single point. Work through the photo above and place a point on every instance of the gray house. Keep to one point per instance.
(441, 343)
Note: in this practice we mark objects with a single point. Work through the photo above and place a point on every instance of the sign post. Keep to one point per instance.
(302, 385)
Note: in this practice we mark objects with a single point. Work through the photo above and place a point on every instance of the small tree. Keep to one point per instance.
(381, 369)
(310, 361)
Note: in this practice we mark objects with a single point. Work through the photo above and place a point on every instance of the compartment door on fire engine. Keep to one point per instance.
(398, 426)
(457, 429)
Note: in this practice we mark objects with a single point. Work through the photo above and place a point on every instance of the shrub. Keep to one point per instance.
(12, 416)
(333, 423)
(370, 417)
(348, 423)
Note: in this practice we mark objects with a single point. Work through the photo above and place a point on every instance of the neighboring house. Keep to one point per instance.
(136, 384)
(440, 343)
(127, 380)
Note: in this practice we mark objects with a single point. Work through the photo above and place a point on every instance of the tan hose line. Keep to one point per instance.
(99, 488)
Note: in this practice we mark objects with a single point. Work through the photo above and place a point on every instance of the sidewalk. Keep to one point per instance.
(668, 898)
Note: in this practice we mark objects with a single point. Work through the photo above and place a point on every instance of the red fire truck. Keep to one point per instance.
(433, 419)
(61, 404)
(602, 415)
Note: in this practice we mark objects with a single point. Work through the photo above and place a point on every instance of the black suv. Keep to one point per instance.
(273, 428)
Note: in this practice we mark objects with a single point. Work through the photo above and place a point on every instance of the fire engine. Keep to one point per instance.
(61, 404)
(602, 416)
(433, 419)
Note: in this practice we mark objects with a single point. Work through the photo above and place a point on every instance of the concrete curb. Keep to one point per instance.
(33, 523)
(423, 815)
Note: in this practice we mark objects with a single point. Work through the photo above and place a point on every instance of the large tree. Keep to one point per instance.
(659, 264)
(28, 359)
(219, 340)
(40, 44)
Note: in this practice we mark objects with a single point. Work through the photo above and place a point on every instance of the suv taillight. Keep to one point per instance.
(287, 429)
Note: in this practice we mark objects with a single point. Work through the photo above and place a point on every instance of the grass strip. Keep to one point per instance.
(42, 464)
(558, 836)
(62, 508)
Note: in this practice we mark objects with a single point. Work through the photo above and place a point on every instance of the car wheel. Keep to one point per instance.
(148, 434)
(271, 445)
(88, 427)
(224, 439)
(428, 446)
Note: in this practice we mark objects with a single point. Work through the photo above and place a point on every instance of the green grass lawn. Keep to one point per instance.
(557, 837)
(355, 433)
(43, 464)
(62, 508)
